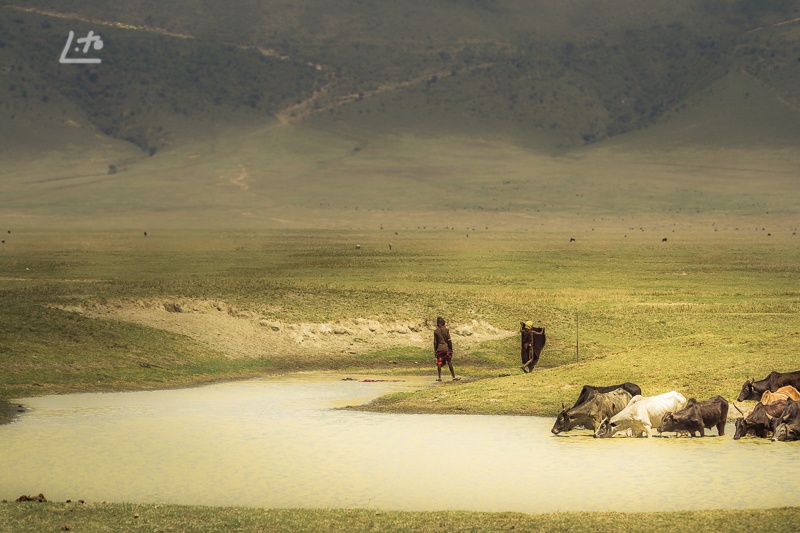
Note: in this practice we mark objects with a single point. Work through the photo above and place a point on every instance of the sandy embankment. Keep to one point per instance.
(246, 333)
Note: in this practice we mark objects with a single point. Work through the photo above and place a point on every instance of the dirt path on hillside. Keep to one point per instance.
(296, 112)
(246, 333)
(312, 105)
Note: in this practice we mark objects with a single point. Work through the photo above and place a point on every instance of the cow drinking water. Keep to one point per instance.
(697, 416)
(590, 413)
(788, 426)
(760, 422)
(642, 414)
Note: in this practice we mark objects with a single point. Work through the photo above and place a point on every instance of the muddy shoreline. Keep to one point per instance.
(9, 412)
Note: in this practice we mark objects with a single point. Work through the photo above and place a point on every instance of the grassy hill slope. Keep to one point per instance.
(725, 160)
(578, 71)
(503, 114)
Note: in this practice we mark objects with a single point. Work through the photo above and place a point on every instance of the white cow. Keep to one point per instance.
(642, 414)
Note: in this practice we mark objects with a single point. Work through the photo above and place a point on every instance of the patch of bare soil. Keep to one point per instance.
(245, 333)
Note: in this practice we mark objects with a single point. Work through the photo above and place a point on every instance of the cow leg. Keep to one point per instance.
(721, 428)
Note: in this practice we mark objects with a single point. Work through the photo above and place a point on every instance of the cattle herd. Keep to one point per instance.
(622, 410)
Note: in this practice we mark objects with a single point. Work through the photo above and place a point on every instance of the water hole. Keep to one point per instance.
(281, 442)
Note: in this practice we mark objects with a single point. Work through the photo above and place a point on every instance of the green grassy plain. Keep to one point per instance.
(715, 304)
(37, 517)
(697, 314)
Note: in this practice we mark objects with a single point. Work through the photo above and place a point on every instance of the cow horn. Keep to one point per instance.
(737, 408)
(563, 407)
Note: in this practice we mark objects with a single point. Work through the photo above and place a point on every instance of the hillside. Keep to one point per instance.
(579, 71)
(505, 113)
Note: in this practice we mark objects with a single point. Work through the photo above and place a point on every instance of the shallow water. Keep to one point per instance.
(279, 442)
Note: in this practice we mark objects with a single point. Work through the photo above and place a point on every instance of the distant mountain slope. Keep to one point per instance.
(559, 74)
(573, 115)
(736, 111)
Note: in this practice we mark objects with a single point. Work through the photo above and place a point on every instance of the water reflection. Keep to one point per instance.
(277, 442)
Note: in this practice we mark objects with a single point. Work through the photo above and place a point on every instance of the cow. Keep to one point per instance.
(589, 414)
(759, 422)
(697, 416)
(752, 390)
(642, 414)
(588, 391)
(784, 393)
(788, 426)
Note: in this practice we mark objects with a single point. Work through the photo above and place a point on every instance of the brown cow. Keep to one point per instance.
(697, 416)
(760, 422)
(784, 393)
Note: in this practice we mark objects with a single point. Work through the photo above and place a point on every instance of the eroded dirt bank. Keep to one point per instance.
(240, 332)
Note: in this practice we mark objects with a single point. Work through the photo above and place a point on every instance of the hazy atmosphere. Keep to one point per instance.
(251, 201)
(524, 115)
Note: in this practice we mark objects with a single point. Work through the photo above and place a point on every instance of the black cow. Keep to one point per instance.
(788, 427)
(752, 390)
(589, 391)
(590, 413)
(759, 423)
(697, 416)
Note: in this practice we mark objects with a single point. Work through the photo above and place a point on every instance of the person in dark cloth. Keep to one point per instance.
(443, 348)
(533, 340)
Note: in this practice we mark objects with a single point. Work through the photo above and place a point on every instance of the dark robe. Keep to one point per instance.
(531, 345)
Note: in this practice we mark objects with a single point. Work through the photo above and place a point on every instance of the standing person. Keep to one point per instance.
(533, 340)
(443, 348)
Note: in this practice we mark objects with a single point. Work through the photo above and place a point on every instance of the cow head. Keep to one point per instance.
(791, 411)
(784, 433)
(748, 392)
(562, 422)
(741, 428)
(667, 423)
(604, 429)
